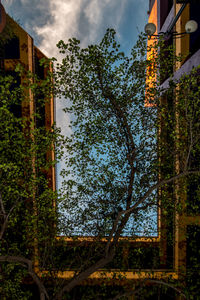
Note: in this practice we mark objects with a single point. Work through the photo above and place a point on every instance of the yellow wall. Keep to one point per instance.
(151, 76)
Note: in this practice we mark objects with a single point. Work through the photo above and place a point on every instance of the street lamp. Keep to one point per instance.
(190, 27)
(150, 29)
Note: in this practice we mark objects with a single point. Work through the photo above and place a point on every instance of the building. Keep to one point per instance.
(166, 257)
(17, 47)
(183, 254)
(20, 48)
(137, 259)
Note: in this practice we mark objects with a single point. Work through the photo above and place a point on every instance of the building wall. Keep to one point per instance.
(189, 47)
(21, 49)
(29, 56)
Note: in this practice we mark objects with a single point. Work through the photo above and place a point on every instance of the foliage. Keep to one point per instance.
(123, 154)
(6, 35)
(121, 166)
(25, 194)
(108, 153)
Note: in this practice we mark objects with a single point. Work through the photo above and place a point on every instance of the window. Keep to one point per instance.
(11, 49)
(195, 36)
(39, 69)
(40, 109)
(165, 7)
(166, 60)
(15, 108)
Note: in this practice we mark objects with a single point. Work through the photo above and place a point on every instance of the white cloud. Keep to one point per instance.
(59, 27)
(94, 10)
(49, 21)
(84, 19)
(62, 118)
(8, 2)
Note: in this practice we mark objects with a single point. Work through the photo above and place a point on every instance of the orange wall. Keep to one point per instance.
(151, 76)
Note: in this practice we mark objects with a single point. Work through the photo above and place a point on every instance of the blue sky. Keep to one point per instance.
(48, 21)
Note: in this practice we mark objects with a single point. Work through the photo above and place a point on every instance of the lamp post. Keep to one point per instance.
(190, 27)
(2, 17)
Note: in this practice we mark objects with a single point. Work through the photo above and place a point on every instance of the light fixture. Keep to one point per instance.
(150, 28)
(191, 26)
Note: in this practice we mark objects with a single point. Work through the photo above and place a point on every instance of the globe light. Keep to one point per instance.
(150, 28)
(191, 26)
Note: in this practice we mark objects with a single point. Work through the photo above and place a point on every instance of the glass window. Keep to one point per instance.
(39, 69)
(195, 36)
(11, 49)
(165, 7)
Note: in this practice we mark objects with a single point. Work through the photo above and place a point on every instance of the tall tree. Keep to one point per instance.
(129, 133)
(121, 160)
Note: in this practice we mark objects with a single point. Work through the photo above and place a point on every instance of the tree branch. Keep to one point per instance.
(5, 216)
(85, 274)
(2, 206)
(131, 293)
(26, 262)
(168, 285)
(158, 185)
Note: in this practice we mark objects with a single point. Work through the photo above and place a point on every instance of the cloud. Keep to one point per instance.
(49, 21)
(84, 19)
(62, 121)
(28, 14)
(61, 117)
(8, 2)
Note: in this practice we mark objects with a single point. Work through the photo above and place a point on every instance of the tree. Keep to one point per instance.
(25, 195)
(122, 155)
(118, 165)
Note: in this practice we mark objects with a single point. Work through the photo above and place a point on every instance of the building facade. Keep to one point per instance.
(137, 259)
(35, 112)
(169, 256)
(183, 253)
(20, 49)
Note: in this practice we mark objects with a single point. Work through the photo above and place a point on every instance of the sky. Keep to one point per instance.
(49, 21)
